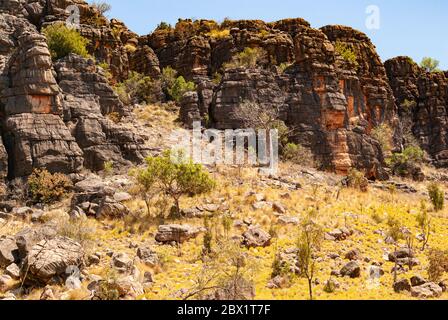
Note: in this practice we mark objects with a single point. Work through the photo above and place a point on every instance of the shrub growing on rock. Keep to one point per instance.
(138, 88)
(346, 52)
(45, 187)
(430, 64)
(407, 163)
(179, 88)
(63, 40)
(383, 133)
(248, 58)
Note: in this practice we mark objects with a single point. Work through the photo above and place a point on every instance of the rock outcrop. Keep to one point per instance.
(53, 114)
(34, 134)
(422, 100)
(332, 104)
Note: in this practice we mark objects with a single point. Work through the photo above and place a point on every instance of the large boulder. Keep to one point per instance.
(9, 252)
(49, 260)
(256, 237)
(426, 291)
(177, 233)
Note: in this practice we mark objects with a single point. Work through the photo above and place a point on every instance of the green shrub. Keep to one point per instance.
(437, 196)
(175, 176)
(63, 40)
(438, 264)
(163, 26)
(346, 52)
(407, 163)
(430, 64)
(138, 88)
(357, 180)
(47, 188)
(179, 88)
(384, 134)
(169, 75)
(298, 154)
(249, 58)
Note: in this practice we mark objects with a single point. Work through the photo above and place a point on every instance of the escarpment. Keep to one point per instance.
(422, 99)
(332, 104)
(53, 114)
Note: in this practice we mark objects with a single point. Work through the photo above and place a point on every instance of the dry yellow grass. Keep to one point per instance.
(365, 213)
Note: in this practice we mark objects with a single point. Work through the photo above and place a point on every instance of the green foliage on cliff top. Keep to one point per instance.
(430, 64)
(346, 52)
(63, 40)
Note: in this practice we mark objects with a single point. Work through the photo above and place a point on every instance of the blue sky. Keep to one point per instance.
(416, 28)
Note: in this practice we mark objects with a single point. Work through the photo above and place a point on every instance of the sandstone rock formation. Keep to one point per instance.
(333, 104)
(54, 114)
(422, 99)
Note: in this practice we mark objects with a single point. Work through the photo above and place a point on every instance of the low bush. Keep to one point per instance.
(179, 88)
(139, 88)
(249, 58)
(437, 196)
(346, 52)
(407, 163)
(44, 187)
(63, 40)
(298, 154)
(357, 180)
(438, 264)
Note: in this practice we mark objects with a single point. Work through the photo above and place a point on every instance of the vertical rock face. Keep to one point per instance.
(422, 98)
(87, 99)
(333, 104)
(31, 106)
(53, 115)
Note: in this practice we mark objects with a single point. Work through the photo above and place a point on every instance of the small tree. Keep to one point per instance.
(437, 196)
(309, 241)
(430, 64)
(226, 275)
(179, 88)
(148, 181)
(424, 223)
(63, 40)
(101, 6)
(174, 176)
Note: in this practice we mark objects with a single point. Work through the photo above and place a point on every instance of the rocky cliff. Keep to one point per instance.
(333, 104)
(53, 114)
(422, 98)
